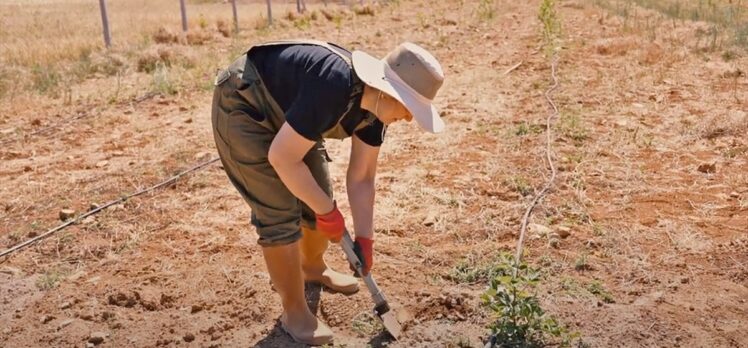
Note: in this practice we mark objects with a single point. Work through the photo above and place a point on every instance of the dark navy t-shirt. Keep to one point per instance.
(314, 87)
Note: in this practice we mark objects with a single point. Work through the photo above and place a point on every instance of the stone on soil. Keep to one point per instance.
(539, 230)
(66, 214)
(563, 231)
(708, 168)
(97, 338)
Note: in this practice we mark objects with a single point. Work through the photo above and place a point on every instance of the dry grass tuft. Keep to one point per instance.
(223, 27)
(150, 59)
(365, 10)
(198, 37)
(734, 124)
(327, 14)
(165, 36)
(290, 16)
(651, 54)
(614, 47)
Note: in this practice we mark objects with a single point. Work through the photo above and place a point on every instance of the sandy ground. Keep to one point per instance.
(643, 118)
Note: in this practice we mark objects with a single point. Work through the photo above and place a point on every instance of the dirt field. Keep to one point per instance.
(652, 194)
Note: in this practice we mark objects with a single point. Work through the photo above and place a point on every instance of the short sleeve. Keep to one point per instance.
(373, 134)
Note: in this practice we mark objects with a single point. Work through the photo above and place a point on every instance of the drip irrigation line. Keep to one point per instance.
(492, 340)
(11, 139)
(45, 129)
(549, 158)
(122, 199)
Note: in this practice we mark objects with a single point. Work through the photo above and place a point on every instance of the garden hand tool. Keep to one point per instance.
(381, 307)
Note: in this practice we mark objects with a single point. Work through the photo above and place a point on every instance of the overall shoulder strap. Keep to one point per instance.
(330, 46)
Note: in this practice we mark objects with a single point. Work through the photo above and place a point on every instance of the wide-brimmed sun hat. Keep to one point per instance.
(409, 74)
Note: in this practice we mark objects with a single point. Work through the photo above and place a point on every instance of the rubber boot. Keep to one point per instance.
(284, 266)
(313, 246)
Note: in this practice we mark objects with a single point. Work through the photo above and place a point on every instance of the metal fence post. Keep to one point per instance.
(105, 23)
(270, 14)
(236, 18)
(184, 15)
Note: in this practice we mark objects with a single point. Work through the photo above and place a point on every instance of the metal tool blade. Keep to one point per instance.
(381, 307)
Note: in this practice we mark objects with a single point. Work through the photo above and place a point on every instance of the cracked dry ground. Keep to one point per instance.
(639, 116)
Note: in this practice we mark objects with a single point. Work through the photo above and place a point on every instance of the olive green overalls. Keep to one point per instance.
(245, 120)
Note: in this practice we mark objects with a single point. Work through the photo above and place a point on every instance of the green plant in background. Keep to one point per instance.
(572, 127)
(486, 9)
(162, 82)
(45, 79)
(519, 319)
(49, 280)
(596, 288)
(521, 185)
(551, 25)
(469, 270)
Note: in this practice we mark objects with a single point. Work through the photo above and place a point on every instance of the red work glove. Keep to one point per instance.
(364, 249)
(331, 224)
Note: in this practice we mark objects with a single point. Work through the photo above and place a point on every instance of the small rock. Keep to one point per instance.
(685, 280)
(196, 308)
(66, 214)
(117, 153)
(27, 169)
(189, 120)
(563, 231)
(708, 168)
(188, 337)
(734, 194)
(97, 338)
(430, 220)
(47, 318)
(64, 324)
(691, 308)
(539, 229)
(65, 305)
(554, 243)
(101, 164)
(32, 234)
(183, 108)
(93, 206)
(36, 122)
(7, 131)
(90, 345)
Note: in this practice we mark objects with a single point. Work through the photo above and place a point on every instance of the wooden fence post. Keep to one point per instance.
(236, 18)
(270, 14)
(184, 15)
(105, 23)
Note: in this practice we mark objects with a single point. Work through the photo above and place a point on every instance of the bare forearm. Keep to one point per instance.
(361, 198)
(299, 180)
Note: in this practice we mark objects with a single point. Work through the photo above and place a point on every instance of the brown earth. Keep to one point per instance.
(641, 116)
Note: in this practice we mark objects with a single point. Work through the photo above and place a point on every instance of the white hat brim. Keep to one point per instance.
(377, 74)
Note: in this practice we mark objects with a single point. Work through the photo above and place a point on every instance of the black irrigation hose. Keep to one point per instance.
(107, 205)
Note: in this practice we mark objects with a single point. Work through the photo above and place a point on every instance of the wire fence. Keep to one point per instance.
(300, 8)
